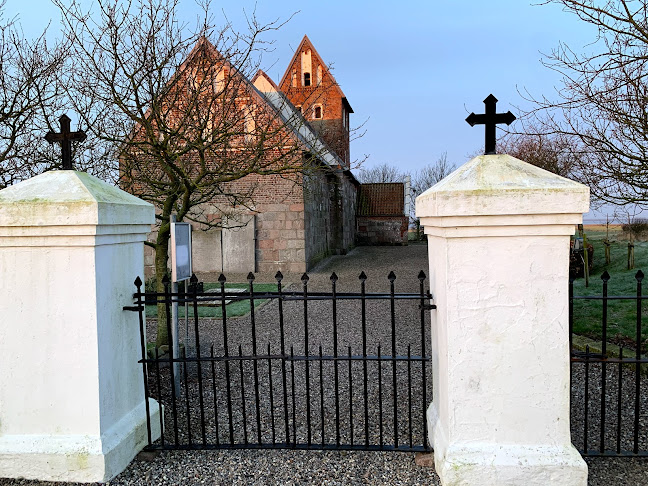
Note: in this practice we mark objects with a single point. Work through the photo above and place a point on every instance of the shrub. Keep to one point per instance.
(636, 227)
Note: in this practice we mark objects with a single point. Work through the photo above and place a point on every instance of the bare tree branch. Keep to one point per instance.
(29, 94)
(381, 173)
(193, 136)
(601, 111)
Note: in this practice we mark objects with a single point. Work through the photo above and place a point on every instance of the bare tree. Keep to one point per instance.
(192, 134)
(29, 94)
(425, 178)
(430, 174)
(553, 153)
(381, 173)
(602, 106)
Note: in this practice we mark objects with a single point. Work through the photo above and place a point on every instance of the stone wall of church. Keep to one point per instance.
(381, 230)
(330, 205)
(265, 237)
(280, 234)
(317, 218)
(350, 197)
(292, 226)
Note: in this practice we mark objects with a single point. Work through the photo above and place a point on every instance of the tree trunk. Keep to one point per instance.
(161, 269)
(608, 257)
(631, 262)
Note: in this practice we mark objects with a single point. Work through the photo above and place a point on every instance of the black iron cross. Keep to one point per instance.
(65, 138)
(490, 119)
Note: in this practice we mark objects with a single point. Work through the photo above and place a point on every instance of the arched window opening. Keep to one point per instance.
(318, 112)
(307, 79)
(250, 124)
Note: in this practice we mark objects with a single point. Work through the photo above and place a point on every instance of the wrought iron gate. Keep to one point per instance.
(306, 370)
(609, 385)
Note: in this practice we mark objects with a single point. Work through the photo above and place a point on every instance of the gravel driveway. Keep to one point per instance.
(317, 467)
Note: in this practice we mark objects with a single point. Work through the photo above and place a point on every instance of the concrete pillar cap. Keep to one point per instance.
(70, 198)
(491, 185)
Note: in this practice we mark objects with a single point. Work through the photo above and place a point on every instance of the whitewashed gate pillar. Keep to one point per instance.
(498, 234)
(72, 402)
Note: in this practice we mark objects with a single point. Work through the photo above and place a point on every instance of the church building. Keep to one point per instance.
(291, 223)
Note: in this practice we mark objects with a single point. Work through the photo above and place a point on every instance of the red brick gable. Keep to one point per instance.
(310, 86)
(295, 63)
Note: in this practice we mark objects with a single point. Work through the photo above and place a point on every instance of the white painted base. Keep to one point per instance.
(490, 464)
(81, 458)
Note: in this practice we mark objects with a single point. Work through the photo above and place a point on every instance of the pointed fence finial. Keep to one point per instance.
(362, 276)
(138, 282)
(250, 277)
(639, 276)
(392, 276)
(606, 276)
(305, 278)
(334, 277)
(421, 275)
(279, 276)
(221, 278)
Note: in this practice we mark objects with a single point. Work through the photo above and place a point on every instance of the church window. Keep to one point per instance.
(306, 67)
(221, 80)
(319, 75)
(250, 124)
(317, 112)
(294, 78)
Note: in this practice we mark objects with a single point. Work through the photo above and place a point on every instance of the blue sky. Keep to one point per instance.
(412, 69)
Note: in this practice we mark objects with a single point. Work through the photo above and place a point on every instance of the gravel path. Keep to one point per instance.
(337, 467)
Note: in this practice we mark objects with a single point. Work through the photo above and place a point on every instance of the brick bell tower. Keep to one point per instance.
(310, 86)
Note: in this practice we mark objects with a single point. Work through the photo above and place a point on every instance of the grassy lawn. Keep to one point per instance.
(622, 315)
(234, 309)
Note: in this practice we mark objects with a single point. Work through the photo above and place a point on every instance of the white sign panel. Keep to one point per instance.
(181, 268)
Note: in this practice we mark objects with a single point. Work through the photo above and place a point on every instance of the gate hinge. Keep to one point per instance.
(427, 306)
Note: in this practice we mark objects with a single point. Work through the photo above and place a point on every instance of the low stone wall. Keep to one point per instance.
(381, 230)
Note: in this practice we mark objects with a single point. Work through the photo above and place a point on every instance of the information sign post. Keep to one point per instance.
(181, 271)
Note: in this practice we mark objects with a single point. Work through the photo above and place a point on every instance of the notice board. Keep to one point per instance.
(181, 264)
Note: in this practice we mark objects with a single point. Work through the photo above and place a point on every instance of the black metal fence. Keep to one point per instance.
(307, 370)
(608, 400)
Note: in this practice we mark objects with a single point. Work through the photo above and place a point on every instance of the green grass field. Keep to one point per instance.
(622, 315)
(234, 309)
